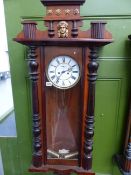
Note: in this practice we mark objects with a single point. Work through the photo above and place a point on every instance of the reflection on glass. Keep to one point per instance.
(62, 125)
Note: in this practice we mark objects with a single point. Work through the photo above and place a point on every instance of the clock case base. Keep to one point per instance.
(61, 170)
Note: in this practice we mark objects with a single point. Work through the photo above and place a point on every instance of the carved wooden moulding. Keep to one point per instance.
(63, 71)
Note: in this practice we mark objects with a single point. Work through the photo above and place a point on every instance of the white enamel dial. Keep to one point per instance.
(63, 71)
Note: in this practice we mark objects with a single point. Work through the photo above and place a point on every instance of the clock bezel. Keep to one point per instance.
(64, 88)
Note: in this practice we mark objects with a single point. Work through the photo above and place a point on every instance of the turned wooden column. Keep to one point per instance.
(89, 121)
(127, 157)
(124, 160)
(126, 165)
(33, 67)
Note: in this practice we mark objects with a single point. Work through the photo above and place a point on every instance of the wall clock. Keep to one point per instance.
(63, 70)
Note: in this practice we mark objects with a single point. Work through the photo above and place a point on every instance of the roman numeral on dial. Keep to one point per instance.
(53, 65)
(58, 62)
(63, 59)
(52, 71)
(75, 71)
(73, 65)
(53, 77)
(73, 77)
(63, 84)
(57, 80)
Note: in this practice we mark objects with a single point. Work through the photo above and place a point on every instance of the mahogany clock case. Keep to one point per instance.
(63, 119)
(64, 108)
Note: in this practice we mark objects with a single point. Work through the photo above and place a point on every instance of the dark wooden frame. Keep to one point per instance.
(90, 40)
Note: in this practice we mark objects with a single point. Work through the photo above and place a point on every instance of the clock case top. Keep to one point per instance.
(59, 13)
(69, 12)
(59, 2)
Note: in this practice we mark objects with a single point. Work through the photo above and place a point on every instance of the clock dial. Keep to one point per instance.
(63, 71)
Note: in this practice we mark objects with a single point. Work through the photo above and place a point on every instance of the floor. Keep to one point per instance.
(6, 99)
(8, 126)
(7, 115)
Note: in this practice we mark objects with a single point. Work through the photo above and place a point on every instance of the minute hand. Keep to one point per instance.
(65, 71)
